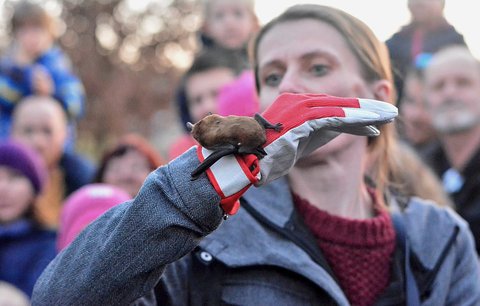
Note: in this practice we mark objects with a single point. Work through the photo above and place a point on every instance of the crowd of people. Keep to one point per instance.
(368, 193)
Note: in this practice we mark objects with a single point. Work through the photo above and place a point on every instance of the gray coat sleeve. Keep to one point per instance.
(121, 256)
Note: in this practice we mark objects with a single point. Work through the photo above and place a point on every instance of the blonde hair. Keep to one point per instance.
(374, 61)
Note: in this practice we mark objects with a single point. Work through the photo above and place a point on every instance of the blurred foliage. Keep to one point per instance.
(129, 55)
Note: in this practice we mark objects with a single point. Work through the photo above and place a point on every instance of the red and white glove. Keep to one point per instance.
(231, 176)
(309, 121)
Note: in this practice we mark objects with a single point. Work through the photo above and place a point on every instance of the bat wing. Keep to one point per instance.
(267, 125)
(213, 158)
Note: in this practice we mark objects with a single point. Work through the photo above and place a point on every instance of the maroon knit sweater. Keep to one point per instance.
(359, 252)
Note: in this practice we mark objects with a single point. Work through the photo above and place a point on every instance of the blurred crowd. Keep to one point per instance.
(49, 191)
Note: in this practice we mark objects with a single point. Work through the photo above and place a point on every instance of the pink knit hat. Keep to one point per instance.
(239, 97)
(85, 205)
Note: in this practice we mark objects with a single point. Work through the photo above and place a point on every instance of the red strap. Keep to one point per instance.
(250, 166)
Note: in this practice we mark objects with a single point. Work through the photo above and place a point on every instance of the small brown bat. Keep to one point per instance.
(230, 135)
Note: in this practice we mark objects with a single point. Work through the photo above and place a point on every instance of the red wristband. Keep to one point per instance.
(231, 176)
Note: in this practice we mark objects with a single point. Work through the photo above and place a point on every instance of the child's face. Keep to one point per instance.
(16, 194)
(41, 127)
(127, 171)
(202, 90)
(33, 40)
(230, 23)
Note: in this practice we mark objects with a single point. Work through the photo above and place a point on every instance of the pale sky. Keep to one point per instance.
(386, 16)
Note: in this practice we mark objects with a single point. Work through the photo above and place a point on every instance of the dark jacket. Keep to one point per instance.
(467, 199)
(164, 241)
(77, 170)
(25, 251)
(435, 38)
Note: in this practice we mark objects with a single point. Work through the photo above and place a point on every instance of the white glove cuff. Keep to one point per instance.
(228, 177)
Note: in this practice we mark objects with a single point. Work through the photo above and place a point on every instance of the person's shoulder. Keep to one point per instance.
(446, 26)
(39, 240)
(404, 32)
(74, 161)
(54, 51)
(427, 214)
(77, 169)
(55, 58)
(430, 225)
(433, 230)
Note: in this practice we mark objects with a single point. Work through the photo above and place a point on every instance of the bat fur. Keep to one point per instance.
(230, 135)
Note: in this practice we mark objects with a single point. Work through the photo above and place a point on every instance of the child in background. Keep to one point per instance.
(26, 248)
(84, 206)
(199, 88)
(35, 65)
(41, 123)
(229, 24)
(127, 164)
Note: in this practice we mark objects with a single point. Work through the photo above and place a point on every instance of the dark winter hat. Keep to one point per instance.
(25, 161)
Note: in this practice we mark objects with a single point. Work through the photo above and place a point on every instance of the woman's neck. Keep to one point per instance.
(334, 188)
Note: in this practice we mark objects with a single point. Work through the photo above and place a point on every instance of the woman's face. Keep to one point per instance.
(310, 56)
(16, 195)
(127, 171)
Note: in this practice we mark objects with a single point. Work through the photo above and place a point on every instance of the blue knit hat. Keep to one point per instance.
(25, 161)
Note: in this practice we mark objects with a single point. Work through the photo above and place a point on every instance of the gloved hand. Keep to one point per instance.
(312, 120)
(231, 176)
(309, 121)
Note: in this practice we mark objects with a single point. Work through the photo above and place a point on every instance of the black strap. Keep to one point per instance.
(411, 288)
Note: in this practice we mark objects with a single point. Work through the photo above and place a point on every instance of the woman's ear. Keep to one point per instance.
(382, 90)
